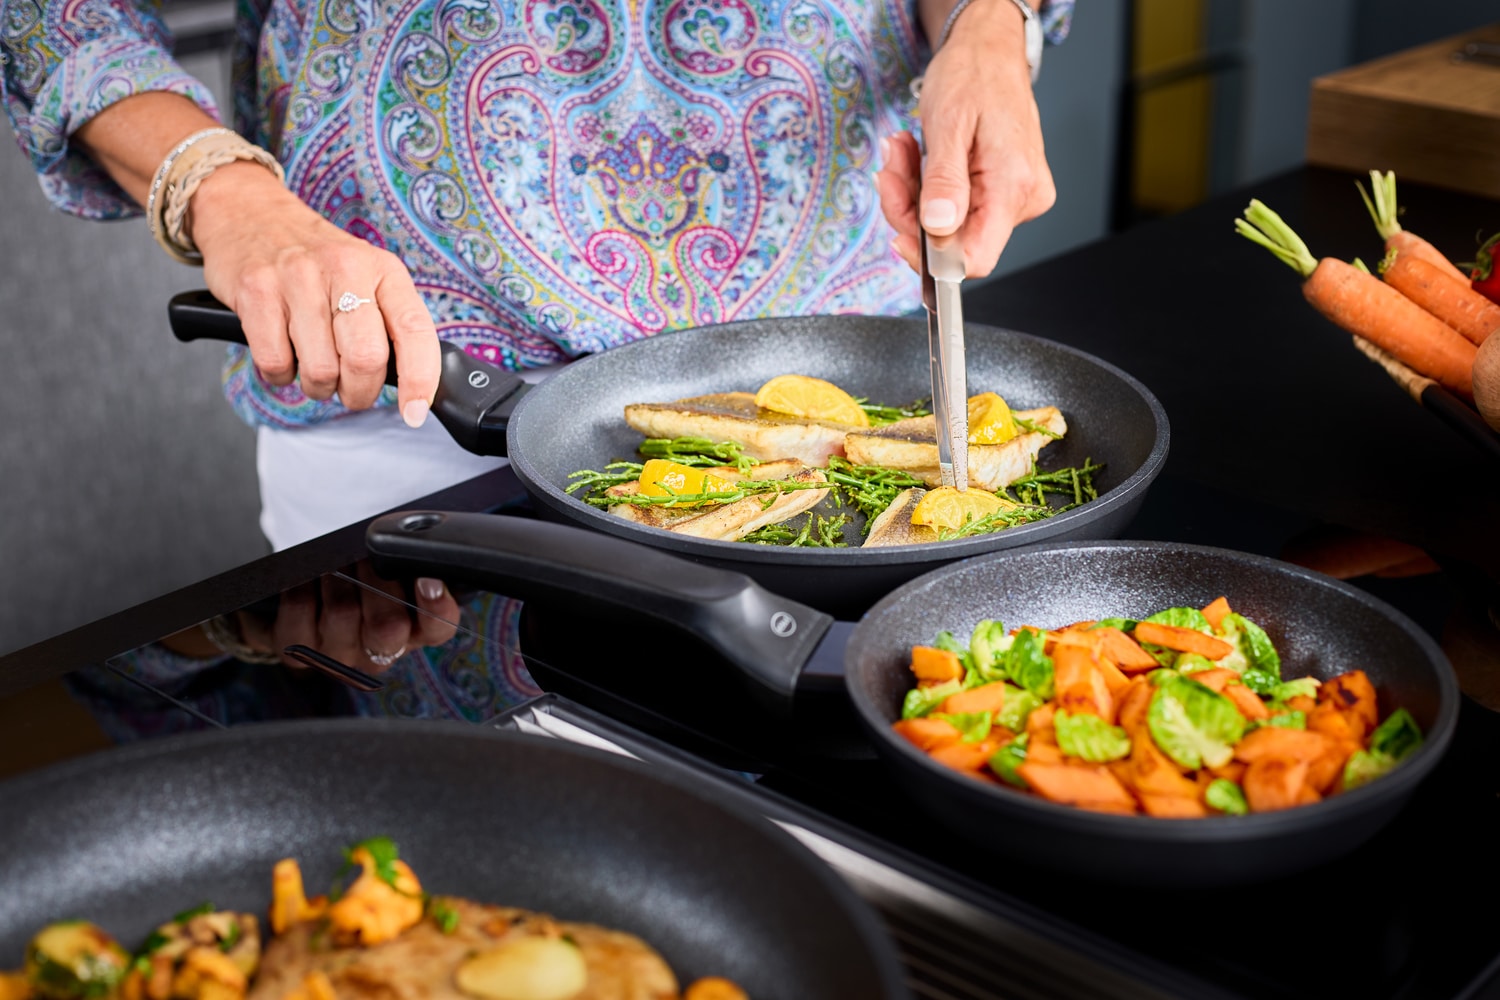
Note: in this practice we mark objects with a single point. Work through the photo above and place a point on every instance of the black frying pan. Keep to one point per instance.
(574, 421)
(129, 837)
(1321, 626)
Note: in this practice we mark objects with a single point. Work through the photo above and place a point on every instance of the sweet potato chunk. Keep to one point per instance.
(1327, 718)
(928, 733)
(1274, 782)
(1301, 703)
(1247, 701)
(1039, 723)
(1154, 773)
(1173, 807)
(1353, 694)
(1233, 770)
(1289, 744)
(1323, 772)
(1134, 702)
(1044, 752)
(1090, 786)
(1080, 685)
(1184, 640)
(966, 757)
(985, 698)
(1216, 610)
(935, 665)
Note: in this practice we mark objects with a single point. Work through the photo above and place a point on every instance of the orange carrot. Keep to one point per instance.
(1172, 807)
(1089, 786)
(1450, 300)
(928, 734)
(966, 757)
(1352, 693)
(1383, 210)
(1186, 640)
(1247, 701)
(1216, 679)
(1286, 744)
(936, 665)
(984, 698)
(1124, 651)
(1216, 610)
(1359, 302)
(1274, 783)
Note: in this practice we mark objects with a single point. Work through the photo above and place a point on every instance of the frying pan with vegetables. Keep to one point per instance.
(132, 836)
(574, 421)
(1321, 627)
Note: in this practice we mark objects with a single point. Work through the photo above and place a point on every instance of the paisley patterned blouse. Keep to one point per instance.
(561, 176)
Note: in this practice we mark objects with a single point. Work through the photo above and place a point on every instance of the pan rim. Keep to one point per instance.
(860, 914)
(1395, 786)
(1023, 535)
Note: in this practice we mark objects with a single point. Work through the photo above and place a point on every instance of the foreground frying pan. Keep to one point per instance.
(129, 837)
(574, 421)
(1321, 626)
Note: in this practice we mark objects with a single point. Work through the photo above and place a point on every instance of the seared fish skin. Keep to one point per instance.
(420, 964)
(733, 416)
(730, 521)
(894, 527)
(911, 446)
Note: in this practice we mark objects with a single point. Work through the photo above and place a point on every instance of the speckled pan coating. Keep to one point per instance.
(1319, 625)
(129, 837)
(575, 421)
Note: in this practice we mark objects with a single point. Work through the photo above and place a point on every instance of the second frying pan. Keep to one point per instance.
(574, 421)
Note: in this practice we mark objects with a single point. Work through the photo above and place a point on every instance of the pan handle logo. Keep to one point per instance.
(479, 379)
(783, 624)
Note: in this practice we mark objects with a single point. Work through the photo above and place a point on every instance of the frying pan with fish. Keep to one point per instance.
(574, 421)
(1322, 627)
(131, 836)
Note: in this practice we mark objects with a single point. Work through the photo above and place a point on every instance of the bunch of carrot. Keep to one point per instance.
(1426, 313)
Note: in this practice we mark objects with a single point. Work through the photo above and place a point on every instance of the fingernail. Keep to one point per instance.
(939, 213)
(885, 152)
(415, 413)
(429, 589)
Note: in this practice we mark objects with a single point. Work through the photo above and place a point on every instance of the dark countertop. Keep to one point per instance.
(1278, 423)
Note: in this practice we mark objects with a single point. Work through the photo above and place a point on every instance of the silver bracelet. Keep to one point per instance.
(153, 217)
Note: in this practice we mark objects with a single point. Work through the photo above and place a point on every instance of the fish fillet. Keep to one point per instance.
(733, 416)
(911, 446)
(730, 521)
(894, 527)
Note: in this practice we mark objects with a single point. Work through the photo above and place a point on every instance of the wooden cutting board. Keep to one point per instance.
(1422, 113)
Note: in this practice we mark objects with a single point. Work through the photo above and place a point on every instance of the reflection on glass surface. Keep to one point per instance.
(348, 643)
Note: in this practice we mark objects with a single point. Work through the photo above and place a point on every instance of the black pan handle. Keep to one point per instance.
(474, 400)
(768, 638)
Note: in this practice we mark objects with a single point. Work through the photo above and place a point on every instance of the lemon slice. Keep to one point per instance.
(813, 398)
(990, 421)
(661, 478)
(947, 509)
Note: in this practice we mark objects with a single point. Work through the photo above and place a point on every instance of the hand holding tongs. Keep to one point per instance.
(942, 270)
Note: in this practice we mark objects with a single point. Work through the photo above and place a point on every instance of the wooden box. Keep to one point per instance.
(1423, 113)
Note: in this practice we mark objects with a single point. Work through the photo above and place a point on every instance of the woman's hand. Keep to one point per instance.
(282, 268)
(986, 168)
(367, 627)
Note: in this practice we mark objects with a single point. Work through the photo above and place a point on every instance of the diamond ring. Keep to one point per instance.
(384, 659)
(348, 302)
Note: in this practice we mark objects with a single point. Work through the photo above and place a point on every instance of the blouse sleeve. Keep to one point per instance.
(1056, 17)
(64, 61)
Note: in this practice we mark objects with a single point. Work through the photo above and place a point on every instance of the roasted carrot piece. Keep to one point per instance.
(928, 733)
(1044, 752)
(985, 698)
(1301, 703)
(966, 757)
(1233, 770)
(1039, 722)
(1215, 611)
(1080, 685)
(1327, 718)
(1274, 783)
(1352, 692)
(1308, 795)
(1216, 679)
(1134, 703)
(1114, 680)
(1289, 744)
(1247, 701)
(1184, 640)
(1125, 651)
(937, 665)
(1154, 773)
(1324, 772)
(1090, 786)
(1173, 807)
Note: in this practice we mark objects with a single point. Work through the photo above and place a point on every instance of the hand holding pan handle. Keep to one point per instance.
(474, 398)
(768, 638)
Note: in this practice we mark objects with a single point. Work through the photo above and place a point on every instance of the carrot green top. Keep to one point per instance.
(1263, 226)
(1383, 208)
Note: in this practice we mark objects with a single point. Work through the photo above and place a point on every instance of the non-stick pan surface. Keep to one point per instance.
(1320, 626)
(575, 421)
(129, 837)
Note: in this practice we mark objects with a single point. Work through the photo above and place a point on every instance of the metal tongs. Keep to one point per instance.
(942, 270)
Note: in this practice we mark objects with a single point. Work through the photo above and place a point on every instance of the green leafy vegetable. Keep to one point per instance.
(945, 641)
(1398, 736)
(1287, 690)
(1286, 719)
(974, 726)
(202, 909)
(1178, 618)
(1090, 737)
(443, 914)
(1193, 724)
(1262, 682)
(233, 937)
(383, 853)
(1123, 624)
(1009, 757)
(920, 701)
(1028, 666)
(988, 643)
(699, 451)
(1364, 766)
(882, 415)
(1254, 647)
(1019, 705)
(1226, 796)
(1192, 663)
